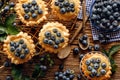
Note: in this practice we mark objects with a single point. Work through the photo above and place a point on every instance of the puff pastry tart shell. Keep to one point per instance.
(32, 21)
(104, 69)
(67, 16)
(54, 28)
(15, 38)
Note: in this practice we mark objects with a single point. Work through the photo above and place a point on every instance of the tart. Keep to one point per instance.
(53, 37)
(19, 48)
(31, 12)
(95, 66)
(65, 9)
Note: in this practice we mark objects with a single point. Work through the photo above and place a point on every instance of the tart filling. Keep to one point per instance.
(66, 9)
(31, 12)
(53, 36)
(95, 66)
(19, 48)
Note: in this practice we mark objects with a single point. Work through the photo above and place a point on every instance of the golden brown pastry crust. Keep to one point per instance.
(49, 27)
(29, 42)
(66, 16)
(20, 12)
(103, 58)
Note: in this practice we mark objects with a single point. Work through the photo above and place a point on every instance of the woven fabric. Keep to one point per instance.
(114, 36)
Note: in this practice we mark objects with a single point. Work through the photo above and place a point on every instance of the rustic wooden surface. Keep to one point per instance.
(72, 62)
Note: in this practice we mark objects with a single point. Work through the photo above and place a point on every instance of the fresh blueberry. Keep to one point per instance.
(66, 3)
(26, 10)
(72, 9)
(34, 15)
(90, 48)
(55, 46)
(56, 73)
(84, 42)
(16, 44)
(96, 47)
(26, 51)
(109, 7)
(67, 78)
(72, 5)
(47, 34)
(26, 16)
(40, 11)
(96, 66)
(12, 49)
(21, 41)
(60, 0)
(24, 46)
(44, 68)
(115, 23)
(29, 5)
(6, 64)
(32, 10)
(6, 8)
(56, 78)
(56, 3)
(36, 7)
(89, 68)
(22, 56)
(64, 77)
(18, 50)
(62, 10)
(68, 9)
(84, 37)
(33, 2)
(93, 61)
(76, 51)
(87, 62)
(98, 75)
(24, 5)
(57, 42)
(103, 72)
(12, 4)
(98, 60)
(81, 56)
(17, 54)
(53, 37)
(114, 5)
(45, 41)
(50, 42)
(91, 75)
(103, 65)
(71, 76)
(111, 17)
(60, 75)
(9, 78)
(94, 72)
(118, 19)
(61, 5)
(55, 30)
(78, 77)
(116, 14)
(62, 40)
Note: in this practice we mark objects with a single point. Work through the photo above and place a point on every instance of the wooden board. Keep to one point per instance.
(72, 62)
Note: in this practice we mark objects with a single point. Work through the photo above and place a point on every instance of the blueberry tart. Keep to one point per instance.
(95, 66)
(65, 9)
(53, 37)
(19, 48)
(31, 12)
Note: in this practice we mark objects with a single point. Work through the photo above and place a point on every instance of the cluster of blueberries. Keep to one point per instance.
(32, 10)
(66, 75)
(106, 14)
(93, 65)
(83, 40)
(53, 38)
(65, 6)
(19, 49)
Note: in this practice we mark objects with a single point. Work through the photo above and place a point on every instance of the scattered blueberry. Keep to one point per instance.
(9, 78)
(22, 56)
(76, 51)
(96, 47)
(6, 64)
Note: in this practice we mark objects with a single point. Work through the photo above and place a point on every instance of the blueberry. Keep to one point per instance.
(68, 9)
(40, 11)
(62, 10)
(55, 30)
(8, 78)
(26, 16)
(6, 64)
(32, 10)
(68, 72)
(36, 7)
(29, 5)
(55, 46)
(18, 50)
(26, 10)
(118, 19)
(34, 15)
(66, 3)
(57, 42)
(78, 77)
(76, 51)
(60, 0)
(64, 77)
(22, 56)
(98, 75)
(111, 18)
(53, 37)
(89, 68)
(72, 5)
(33, 2)
(17, 54)
(21, 41)
(12, 4)
(96, 47)
(114, 5)
(81, 56)
(109, 7)
(93, 61)
(58, 34)
(56, 78)
(24, 5)
(87, 62)
(12, 49)
(72, 10)
(91, 75)
(71, 76)
(26, 51)
(45, 41)
(62, 40)
(84, 42)
(6, 8)
(16, 44)
(24, 46)
(115, 23)
(116, 14)
(98, 60)
(105, 10)
(107, 37)
(56, 73)
(96, 66)
(94, 17)
(44, 68)
(60, 75)
(50, 42)
(61, 5)
(90, 48)
(56, 3)
(94, 72)
(47, 34)
(103, 65)
(61, 66)
(103, 72)
(84, 37)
